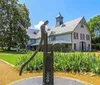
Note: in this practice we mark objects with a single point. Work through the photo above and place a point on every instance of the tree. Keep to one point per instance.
(15, 21)
(94, 26)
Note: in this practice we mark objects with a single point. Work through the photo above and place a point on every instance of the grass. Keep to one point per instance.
(11, 57)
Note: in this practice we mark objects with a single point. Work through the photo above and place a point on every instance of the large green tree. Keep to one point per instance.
(14, 22)
(94, 26)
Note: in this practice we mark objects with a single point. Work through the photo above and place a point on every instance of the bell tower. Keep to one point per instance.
(59, 19)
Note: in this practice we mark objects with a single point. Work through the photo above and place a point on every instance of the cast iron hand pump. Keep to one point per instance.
(37, 49)
(48, 77)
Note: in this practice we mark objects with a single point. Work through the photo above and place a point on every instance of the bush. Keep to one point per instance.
(73, 62)
(35, 65)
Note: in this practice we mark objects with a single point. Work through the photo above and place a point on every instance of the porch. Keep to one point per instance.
(58, 46)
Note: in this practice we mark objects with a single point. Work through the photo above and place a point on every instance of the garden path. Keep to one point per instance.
(9, 74)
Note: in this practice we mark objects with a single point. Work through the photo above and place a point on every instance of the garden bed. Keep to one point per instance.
(77, 62)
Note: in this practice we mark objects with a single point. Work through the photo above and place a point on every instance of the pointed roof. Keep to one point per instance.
(59, 15)
(64, 28)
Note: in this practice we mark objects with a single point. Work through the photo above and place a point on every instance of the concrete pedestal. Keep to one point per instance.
(57, 81)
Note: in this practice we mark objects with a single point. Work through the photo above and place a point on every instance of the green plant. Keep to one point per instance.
(73, 62)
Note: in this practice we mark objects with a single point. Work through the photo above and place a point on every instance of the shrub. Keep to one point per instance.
(73, 62)
(35, 65)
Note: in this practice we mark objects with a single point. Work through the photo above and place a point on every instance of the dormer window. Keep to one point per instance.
(63, 25)
(82, 26)
(48, 29)
(52, 32)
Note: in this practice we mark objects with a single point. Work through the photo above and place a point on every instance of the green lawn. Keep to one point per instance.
(11, 57)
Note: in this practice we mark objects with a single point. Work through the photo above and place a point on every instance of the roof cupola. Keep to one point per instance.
(59, 19)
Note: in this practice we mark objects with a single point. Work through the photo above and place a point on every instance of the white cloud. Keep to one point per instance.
(31, 27)
(37, 26)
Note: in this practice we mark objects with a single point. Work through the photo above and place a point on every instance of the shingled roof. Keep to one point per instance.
(64, 28)
(32, 33)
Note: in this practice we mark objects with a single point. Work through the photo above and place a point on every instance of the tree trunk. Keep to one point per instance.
(9, 48)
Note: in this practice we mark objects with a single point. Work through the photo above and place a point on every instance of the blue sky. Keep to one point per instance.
(41, 10)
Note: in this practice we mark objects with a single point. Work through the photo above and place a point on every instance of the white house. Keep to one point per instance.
(73, 35)
(31, 33)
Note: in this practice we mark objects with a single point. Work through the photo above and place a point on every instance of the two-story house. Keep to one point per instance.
(73, 35)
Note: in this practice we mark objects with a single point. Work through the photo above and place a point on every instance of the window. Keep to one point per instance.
(87, 37)
(74, 46)
(31, 40)
(52, 32)
(75, 35)
(34, 32)
(52, 38)
(48, 29)
(63, 25)
(82, 36)
(88, 46)
(82, 26)
(66, 46)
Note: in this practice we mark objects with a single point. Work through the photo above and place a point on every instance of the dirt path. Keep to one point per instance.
(9, 74)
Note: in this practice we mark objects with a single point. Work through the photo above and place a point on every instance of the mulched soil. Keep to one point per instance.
(9, 74)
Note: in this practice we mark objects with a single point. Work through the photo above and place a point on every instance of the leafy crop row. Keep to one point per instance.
(66, 62)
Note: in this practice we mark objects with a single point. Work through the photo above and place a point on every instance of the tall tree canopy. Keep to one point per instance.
(14, 20)
(94, 26)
